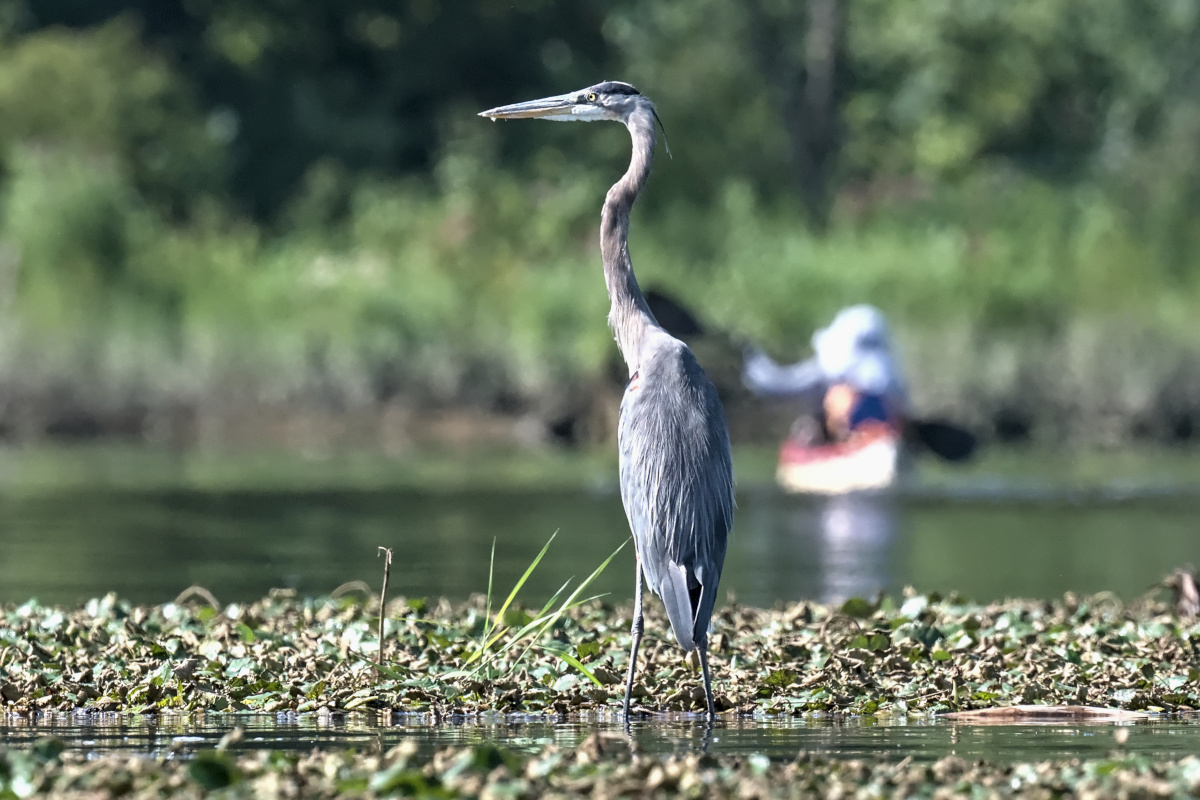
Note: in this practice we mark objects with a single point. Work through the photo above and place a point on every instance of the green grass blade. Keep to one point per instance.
(499, 627)
(487, 614)
(528, 571)
(554, 597)
(517, 637)
(568, 604)
(574, 662)
(531, 624)
(387, 672)
(534, 629)
(530, 627)
(570, 601)
(486, 645)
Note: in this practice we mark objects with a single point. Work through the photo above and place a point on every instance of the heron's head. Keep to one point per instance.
(611, 100)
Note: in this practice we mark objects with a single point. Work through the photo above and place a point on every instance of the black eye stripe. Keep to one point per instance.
(615, 87)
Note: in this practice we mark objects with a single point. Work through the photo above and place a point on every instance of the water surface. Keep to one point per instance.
(146, 524)
(776, 738)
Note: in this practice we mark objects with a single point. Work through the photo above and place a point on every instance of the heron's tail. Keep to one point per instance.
(681, 602)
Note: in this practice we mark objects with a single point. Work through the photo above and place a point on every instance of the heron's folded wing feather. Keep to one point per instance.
(677, 485)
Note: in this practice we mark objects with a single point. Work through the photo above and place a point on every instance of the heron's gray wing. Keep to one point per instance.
(677, 483)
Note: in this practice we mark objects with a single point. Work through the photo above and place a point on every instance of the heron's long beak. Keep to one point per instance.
(560, 107)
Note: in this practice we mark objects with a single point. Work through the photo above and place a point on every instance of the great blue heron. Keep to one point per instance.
(675, 465)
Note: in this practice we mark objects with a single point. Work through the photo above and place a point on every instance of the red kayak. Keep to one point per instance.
(871, 459)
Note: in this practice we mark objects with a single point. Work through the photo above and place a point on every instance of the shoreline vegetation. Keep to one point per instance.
(434, 302)
(1100, 384)
(914, 655)
(381, 329)
(241, 242)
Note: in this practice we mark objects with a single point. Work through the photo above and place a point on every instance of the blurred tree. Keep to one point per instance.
(103, 92)
(371, 83)
(693, 57)
(367, 83)
(1055, 86)
(843, 90)
(871, 91)
(1017, 163)
(807, 75)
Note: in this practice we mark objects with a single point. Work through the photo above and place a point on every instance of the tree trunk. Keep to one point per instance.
(807, 92)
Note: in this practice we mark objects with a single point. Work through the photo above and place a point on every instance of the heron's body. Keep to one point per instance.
(675, 464)
(676, 482)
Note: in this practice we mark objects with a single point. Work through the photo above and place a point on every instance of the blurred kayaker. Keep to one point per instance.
(853, 381)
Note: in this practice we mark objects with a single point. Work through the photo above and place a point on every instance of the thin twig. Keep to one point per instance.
(839, 618)
(351, 586)
(196, 590)
(387, 571)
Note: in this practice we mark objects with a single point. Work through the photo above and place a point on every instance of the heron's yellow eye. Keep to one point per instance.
(591, 97)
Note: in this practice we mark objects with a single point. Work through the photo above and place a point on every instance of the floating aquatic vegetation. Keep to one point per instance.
(600, 767)
(918, 654)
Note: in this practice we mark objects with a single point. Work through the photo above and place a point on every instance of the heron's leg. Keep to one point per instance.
(706, 740)
(702, 647)
(638, 627)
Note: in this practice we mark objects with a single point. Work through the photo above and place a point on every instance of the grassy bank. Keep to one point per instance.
(914, 655)
(1028, 312)
(203, 233)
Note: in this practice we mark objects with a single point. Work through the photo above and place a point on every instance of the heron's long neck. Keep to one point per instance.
(629, 315)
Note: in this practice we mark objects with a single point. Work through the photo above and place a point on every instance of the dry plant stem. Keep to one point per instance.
(387, 571)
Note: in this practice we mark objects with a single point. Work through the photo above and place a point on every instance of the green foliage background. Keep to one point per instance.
(295, 200)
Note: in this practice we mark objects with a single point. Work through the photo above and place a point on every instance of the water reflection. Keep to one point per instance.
(855, 534)
(815, 548)
(778, 738)
(68, 545)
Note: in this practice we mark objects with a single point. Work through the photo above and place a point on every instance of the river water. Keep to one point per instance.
(777, 738)
(76, 524)
(146, 524)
